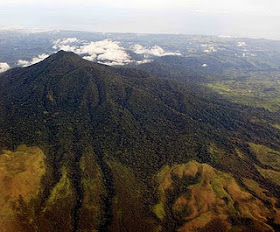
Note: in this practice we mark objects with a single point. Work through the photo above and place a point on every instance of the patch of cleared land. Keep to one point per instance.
(20, 176)
(202, 197)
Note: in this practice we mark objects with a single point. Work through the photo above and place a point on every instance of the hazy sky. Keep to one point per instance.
(251, 18)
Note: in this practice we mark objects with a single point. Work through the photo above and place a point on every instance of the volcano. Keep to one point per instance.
(87, 147)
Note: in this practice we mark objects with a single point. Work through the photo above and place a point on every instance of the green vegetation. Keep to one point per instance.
(270, 174)
(277, 126)
(159, 211)
(251, 91)
(251, 81)
(129, 200)
(125, 150)
(63, 189)
(92, 209)
(220, 88)
(266, 156)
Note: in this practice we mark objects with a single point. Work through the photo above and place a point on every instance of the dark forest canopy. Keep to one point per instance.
(116, 146)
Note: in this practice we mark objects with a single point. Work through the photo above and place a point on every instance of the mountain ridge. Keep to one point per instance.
(123, 122)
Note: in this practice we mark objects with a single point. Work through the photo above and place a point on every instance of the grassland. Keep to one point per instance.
(266, 155)
(256, 89)
(20, 176)
(270, 174)
(200, 196)
(277, 126)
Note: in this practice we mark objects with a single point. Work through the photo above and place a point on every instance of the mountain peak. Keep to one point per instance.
(71, 56)
(63, 53)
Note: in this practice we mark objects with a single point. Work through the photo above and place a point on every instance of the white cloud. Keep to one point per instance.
(4, 67)
(105, 51)
(155, 51)
(108, 52)
(99, 47)
(246, 54)
(205, 65)
(111, 63)
(119, 56)
(90, 58)
(67, 48)
(208, 48)
(69, 40)
(63, 44)
(241, 44)
(25, 63)
(144, 61)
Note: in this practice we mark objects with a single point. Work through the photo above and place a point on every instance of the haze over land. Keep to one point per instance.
(247, 18)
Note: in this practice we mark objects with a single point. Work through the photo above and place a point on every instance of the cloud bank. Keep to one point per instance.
(64, 44)
(106, 51)
(109, 52)
(25, 63)
(4, 67)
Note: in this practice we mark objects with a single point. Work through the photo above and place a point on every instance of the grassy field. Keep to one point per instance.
(266, 156)
(200, 196)
(20, 176)
(255, 89)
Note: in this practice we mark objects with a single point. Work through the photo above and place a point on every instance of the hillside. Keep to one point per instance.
(119, 145)
(248, 81)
